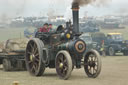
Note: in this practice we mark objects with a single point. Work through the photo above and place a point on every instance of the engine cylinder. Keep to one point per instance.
(74, 46)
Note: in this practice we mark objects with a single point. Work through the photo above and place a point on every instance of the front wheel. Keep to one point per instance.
(125, 53)
(63, 64)
(111, 51)
(92, 64)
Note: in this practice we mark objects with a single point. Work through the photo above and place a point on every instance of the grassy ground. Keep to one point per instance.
(114, 68)
(19, 32)
(114, 72)
(9, 33)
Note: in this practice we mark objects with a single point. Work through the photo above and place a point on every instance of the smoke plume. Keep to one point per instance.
(87, 2)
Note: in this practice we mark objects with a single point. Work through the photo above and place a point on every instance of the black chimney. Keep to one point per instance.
(75, 11)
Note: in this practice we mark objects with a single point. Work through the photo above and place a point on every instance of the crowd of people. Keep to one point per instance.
(46, 28)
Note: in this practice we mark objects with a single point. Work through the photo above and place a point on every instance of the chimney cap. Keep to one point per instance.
(75, 6)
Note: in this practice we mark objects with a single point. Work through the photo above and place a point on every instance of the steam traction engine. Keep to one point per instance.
(62, 50)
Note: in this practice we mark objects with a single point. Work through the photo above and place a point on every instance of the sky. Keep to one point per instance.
(12, 8)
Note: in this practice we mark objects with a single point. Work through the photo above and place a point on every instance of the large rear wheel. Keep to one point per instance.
(34, 54)
(92, 64)
(63, 64)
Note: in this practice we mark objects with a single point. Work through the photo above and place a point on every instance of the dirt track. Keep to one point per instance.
(114, 72)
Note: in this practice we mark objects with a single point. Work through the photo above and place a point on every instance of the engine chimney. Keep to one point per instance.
(75, 11)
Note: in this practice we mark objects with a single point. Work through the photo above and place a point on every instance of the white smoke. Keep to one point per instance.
(68, 13)
(10, 9)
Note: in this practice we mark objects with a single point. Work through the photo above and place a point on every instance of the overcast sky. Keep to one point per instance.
(13, 8)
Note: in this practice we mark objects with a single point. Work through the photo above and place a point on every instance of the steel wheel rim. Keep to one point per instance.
(91, 64)
(4, 64)
(32, 57)
(62, 65)
(111, 51)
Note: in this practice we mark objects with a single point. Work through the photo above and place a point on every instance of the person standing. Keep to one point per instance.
(102, 49)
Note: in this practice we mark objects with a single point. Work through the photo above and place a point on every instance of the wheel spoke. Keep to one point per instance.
(32, 49)
(36, 55)
(31, 46)
(61, 58)
(64, 71)
(96, 64)
(30, 62)
(95, 68)
(89, 59)
(36, 65)
(33, 68)
(57, 66)
(58, 63)
(65, 68)
(89, 67)
(92, 71)
(61, 71)
(95, 59)
(92, 57)
(34, 45)
(36, 59)
(65, 65)
(89, 70)
(86, 63)
(65, 61)
(29, 52)
(36, 50)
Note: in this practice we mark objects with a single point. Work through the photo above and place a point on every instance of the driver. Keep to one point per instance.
(60, 28)
(50, 27)
(44, 28)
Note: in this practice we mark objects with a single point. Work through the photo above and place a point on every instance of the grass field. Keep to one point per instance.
(114, 68)
(19, 32)
(9, 33)
(114, 72)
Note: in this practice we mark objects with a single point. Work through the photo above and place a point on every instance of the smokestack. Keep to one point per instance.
(75, 11)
